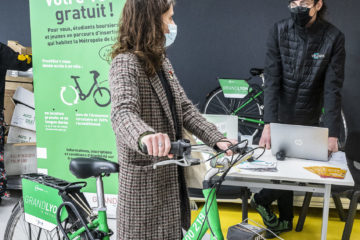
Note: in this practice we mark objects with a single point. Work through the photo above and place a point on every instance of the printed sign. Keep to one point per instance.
(41, 204)
(72, 41)
(234, 88)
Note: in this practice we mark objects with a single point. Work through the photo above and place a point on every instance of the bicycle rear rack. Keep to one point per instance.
(53, 182)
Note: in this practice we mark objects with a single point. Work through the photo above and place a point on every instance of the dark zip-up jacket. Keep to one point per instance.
(304, 72)
(9, 59)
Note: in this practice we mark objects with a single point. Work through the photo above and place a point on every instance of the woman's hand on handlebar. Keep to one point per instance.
(158, 145)
(225, 143)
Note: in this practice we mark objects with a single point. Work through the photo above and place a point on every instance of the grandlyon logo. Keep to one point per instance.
(317, 56)
(299, 142)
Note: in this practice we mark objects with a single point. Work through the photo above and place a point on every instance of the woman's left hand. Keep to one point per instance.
(225, 144)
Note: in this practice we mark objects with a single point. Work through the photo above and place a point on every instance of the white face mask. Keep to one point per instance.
(171, 36)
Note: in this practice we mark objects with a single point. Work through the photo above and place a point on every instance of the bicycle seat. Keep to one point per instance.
(256, 71)
(92, 167)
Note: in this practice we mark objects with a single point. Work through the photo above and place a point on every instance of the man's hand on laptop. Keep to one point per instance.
(333, 145)
(265, 140)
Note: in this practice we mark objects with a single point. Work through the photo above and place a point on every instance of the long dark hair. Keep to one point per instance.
(141, 32)
(323, 10)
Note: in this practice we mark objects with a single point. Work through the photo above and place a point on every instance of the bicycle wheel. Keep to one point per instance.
(217, 103)
(343, 130)
(18, 229)
(102, 97)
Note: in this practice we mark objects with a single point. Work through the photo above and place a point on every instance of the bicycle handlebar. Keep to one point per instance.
(183, 149)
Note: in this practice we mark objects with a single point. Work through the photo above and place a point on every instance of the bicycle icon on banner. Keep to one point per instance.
(101, 94)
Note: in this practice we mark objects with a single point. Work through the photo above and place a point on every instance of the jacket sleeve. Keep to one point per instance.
(195, 123)
(10, 59)
(334, 79)
(125, 102)
(273, 76)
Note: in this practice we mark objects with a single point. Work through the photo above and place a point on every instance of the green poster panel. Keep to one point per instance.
(71, 42)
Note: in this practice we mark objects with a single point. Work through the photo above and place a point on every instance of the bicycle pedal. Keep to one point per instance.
(99, 235)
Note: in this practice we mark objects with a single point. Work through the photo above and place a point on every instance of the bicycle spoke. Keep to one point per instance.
(223, 105)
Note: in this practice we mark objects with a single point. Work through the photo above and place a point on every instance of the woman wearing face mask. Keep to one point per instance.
(150, 107)
(304, 72)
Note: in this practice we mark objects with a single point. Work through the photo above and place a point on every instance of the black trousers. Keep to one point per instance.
(285, 201)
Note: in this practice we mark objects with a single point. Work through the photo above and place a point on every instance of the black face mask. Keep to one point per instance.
(300, 15)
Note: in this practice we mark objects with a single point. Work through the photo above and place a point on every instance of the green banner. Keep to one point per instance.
(71, 42)
(234, 88)
(40, 204)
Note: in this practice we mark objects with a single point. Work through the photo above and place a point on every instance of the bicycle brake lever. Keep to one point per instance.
(187, 161)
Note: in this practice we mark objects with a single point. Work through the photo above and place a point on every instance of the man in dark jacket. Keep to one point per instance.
(14, 61)
(304, 72)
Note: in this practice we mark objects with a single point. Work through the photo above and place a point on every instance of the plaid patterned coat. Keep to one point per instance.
(152, 203)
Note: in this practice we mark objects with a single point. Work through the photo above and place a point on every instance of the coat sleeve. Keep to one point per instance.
(334, 79)
(273, 76)
(195, 123)
(125, 102)
(9, 59)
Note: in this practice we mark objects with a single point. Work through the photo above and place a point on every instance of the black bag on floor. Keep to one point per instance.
(245, 231)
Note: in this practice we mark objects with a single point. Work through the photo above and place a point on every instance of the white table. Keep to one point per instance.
(292, 175)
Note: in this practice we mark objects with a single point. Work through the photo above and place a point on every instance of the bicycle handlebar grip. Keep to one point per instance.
(179, 148)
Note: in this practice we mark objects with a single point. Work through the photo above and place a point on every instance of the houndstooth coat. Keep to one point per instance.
(152, 203)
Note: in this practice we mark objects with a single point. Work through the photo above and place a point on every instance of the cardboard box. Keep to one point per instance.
(23, 117)
(17, 47)
(20, 159)
(9, 106)
(9, 85)
(24, 96)
(20, 135)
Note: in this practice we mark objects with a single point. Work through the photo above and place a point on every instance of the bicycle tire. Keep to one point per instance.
(343, 130)
(216, 103)
(107, 95)
(18, 229)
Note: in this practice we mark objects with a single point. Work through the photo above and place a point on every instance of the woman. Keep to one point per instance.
(304, 72)
(150, 107)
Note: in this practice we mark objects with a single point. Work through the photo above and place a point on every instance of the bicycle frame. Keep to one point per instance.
(207, 218)
(99, 223)
(246, 103)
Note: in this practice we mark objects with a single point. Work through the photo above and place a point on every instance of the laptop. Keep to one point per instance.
(300, 141)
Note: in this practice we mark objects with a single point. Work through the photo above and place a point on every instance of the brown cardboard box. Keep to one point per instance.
(14, 85)
(18, 79)
(20, 158)
(17, 47)
(9, 105)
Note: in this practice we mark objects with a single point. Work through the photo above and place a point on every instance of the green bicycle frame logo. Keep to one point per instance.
(101, 95)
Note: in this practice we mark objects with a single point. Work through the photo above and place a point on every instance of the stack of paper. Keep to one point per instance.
(259, 166)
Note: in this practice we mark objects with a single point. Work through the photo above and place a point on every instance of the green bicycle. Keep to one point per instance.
(245, 99)
(52, 208)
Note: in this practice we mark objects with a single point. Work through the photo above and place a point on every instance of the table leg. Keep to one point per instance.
(245, 207)
(325, 211)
